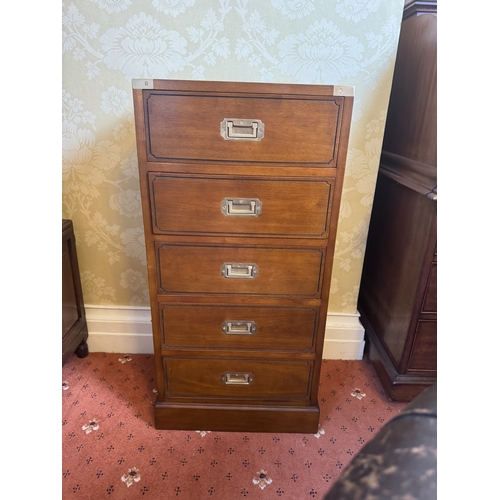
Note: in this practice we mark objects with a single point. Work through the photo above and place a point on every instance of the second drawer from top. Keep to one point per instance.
(281, 207)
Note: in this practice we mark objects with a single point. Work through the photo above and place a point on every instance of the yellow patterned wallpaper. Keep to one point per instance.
(106, 43)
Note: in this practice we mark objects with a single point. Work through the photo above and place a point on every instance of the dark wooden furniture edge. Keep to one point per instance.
(239, 88)
(75, 340)
(293, 419)
(420, 7)
(399, 387)
(78, 344)
(417, 176)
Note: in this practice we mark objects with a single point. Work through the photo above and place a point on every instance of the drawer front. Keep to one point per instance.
(424, 352)
(430, 299)
(185, 326)
(232, 206)
(239, 270)
(188, 127)
(237, 378)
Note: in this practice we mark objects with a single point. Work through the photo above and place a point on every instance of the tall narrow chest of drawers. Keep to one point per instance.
(240, 186)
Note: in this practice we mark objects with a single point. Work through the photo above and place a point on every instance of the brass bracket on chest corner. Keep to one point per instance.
(343, 90)
(143, 83)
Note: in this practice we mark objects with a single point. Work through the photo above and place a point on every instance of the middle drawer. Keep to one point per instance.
(239, 270)
(194, 205)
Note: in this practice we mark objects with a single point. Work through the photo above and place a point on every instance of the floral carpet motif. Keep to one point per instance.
(111, 449)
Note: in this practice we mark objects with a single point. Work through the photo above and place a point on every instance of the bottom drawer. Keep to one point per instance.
(237, 378)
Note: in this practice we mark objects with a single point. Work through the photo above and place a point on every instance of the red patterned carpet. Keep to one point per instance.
(111, 449)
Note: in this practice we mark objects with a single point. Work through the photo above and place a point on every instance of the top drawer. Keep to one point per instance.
(193, 127)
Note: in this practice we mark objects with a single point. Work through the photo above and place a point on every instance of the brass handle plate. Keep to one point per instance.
(242, 207)
(239, 327)
(239, 129)
(239, 270)
(231, 378)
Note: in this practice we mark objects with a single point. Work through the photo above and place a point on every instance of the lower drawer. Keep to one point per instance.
(237, 327)
(237, 378)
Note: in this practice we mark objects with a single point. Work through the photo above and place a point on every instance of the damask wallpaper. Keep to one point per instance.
(106, 43)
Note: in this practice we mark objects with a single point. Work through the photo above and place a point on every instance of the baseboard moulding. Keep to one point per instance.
(127, 329)
(344, 337)
(122, 329)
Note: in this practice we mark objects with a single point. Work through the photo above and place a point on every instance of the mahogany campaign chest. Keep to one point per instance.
(240, 186)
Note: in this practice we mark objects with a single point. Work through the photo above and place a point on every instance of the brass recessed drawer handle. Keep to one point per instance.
(237, 378)
(243, 207)
(239, 327)
(238, 129)
(239, 270)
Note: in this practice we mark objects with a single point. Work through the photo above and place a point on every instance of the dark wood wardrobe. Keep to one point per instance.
(398, 291)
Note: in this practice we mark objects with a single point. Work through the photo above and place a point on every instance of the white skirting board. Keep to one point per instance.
(344, 337)
(127, 330)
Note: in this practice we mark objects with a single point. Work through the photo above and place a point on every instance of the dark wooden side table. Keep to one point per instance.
(74, 322)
